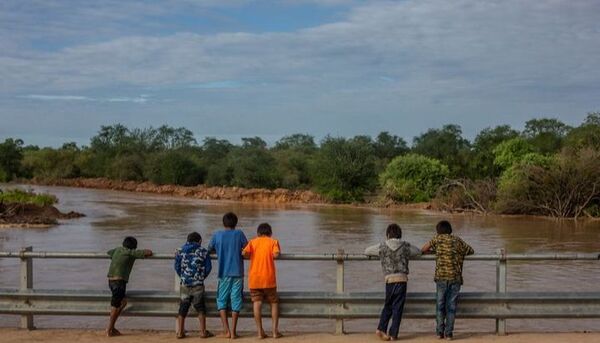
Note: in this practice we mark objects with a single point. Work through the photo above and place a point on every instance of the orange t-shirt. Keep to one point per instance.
(262, 262)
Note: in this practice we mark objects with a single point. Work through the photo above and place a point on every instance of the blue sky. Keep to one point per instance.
(269, 68)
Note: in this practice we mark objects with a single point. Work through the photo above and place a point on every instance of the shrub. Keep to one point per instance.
(413, 178)
(467, 195)
(561, 187)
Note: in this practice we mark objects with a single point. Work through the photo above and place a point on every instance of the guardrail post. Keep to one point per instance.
(177, 287)
(26, 284)
(501, 288)
(339, 323)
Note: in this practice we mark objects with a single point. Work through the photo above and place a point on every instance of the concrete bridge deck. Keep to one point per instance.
(97, 336)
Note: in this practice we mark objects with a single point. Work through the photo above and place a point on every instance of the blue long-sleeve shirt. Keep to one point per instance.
(192, 264)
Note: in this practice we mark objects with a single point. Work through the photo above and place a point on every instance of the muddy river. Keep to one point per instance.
(162, 223)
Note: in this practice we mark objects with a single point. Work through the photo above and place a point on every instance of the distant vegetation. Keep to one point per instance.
(549, 168)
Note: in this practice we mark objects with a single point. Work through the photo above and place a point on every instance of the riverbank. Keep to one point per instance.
(254, 195)
(94, 336)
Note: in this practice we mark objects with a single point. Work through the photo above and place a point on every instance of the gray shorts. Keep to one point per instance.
(191, 296)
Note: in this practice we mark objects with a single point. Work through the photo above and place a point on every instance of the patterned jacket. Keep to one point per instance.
(192, 264)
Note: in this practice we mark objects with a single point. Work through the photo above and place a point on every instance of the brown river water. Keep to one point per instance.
(162, 223)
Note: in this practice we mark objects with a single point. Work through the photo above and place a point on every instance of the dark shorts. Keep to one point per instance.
(117, 288)
(192, 296)
(264, 294)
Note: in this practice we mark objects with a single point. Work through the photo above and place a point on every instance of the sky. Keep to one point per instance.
(240, 68)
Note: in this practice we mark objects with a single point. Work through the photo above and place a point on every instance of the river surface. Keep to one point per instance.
(162, 223)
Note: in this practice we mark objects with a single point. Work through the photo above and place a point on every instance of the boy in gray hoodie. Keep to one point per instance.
(394, 255)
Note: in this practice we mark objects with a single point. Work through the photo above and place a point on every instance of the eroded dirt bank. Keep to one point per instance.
(30, 215)
(279, 195)
(88, 336)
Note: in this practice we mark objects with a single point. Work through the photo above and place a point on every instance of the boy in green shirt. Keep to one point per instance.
(122, 259)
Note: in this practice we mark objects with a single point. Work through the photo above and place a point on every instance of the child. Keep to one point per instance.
(450, 253)
(228, 244)
(394, 255)
(192, 264)
(262, 281)
(122, 259)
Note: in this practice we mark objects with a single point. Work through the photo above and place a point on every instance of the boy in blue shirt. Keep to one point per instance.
(192, 265)
(228, 244)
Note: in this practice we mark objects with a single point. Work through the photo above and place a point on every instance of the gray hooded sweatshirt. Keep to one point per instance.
(394, 255)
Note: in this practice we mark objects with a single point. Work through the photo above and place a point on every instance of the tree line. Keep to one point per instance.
(502, 170)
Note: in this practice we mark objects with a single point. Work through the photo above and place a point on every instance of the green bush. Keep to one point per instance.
(17, 196)
(510, 152)
(413, 178)
(127, 168)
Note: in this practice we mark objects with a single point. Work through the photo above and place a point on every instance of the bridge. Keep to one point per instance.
(336, 304)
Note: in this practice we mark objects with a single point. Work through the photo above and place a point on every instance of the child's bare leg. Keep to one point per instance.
(115, 312)
(180, 327)
(234, 320)
(258, 319)
(275, 319)
(226, 333)
(202, 320)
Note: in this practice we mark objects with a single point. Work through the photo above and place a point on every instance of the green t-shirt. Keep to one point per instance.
(122, 262)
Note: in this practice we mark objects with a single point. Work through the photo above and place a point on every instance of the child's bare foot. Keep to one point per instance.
(382, 335)
(262, 335)
(225, 334)
(277, 334)
(113, 333)
(206, 334)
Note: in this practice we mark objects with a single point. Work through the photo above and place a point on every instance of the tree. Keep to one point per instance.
(176, 168)
(413, 178)
(482, 165)
(214, 154)
(546, 134)
(11, 154)
(294, 156)
(587, 135)
(446, 145)
(388, 146)
(253, 165)
(344, 169)
(298, 142)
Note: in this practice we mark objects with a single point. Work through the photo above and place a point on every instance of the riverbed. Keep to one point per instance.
(161, 223)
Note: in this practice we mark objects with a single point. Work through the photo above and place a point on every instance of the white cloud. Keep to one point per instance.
(143, 98)
(57, 97)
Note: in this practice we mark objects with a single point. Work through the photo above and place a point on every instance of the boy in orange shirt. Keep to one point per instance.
(262, 281)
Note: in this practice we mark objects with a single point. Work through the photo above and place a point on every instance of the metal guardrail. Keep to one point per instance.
(338, 305)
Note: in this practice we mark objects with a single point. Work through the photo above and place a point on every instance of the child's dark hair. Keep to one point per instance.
(264, 229)
(393, 231)
(194, 237)
(130, 242)
(443, 227)
(230, 220)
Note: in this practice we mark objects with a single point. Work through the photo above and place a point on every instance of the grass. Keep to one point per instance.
(17, 196)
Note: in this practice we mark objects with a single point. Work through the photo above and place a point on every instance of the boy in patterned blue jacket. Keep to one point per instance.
(192, 264)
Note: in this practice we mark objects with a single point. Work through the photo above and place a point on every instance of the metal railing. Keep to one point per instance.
(338, 305)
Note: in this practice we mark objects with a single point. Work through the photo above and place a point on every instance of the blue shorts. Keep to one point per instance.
(230, 291)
